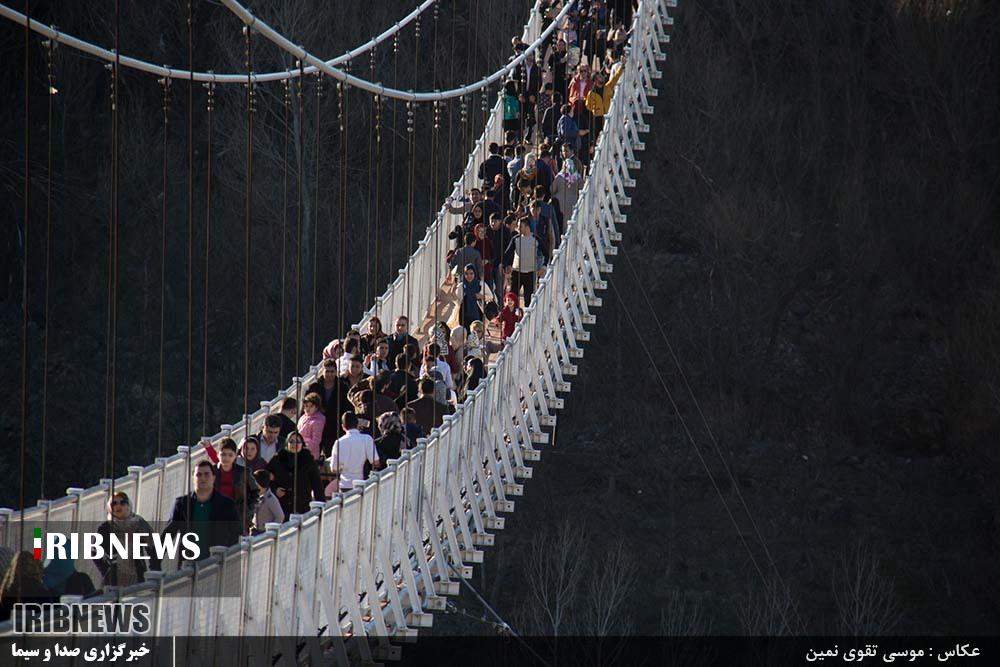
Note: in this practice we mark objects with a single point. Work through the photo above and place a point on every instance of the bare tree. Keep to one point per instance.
(767, 611)
(555, 568)
(865, 597)
(607, 592)
(684, 617)
(605, 614)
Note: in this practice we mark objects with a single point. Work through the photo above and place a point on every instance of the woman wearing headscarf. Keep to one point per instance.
(485, 248)
(471, 290)
(393, 440)
(567, 183)
(295, 476)
(511, 107)
(374, 335)
(475, 216)
(474, 374)
(250, 457)
(123, 522)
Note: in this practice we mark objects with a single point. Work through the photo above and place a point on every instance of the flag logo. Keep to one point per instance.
(38, 544)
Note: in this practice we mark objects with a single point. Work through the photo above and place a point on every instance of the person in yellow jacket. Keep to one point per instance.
(603, 89)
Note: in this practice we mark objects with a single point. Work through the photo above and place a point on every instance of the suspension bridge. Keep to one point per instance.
(377, 561)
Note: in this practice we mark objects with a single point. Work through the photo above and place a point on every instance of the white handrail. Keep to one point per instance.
(172, 73)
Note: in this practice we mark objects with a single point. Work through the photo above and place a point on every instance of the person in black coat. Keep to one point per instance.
(550, 119)
(499, 235)
(206, 512)
(492, 166)
(530, 77)
(402, 382)
(399, 338)
(393, 440)
(296, 479)
(559, 63)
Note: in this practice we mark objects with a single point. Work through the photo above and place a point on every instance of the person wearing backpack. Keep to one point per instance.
(511, 108)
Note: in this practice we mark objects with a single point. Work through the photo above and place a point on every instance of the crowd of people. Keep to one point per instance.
(378, 392)
(553, 109)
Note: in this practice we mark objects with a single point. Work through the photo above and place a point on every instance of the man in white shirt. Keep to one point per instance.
(350, 453)
(521, 261)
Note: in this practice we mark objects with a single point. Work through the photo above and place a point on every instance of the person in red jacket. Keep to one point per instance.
(509, 315)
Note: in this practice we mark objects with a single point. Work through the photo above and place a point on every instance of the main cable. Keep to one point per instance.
(50, 32)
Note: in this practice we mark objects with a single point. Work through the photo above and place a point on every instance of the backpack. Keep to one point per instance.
(440, 388)
(511, 108)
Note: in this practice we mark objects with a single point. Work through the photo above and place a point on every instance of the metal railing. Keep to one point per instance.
(373, 562)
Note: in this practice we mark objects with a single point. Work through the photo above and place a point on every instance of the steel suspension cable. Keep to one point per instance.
(451, 79)
(393, 165)
(342, 101)
(409, 205)
(113, 256)
(691, 439)
(298, 220)
(288, 46)
(50, 32)
(250, 101)
(369, 232)
(209, 108)
(24, 274)
(411, 136)
(433, 176)
(316, 216)
(284, 224)
(377, 101)
(708, 428)
(315, 64)
(50, 46)
(473, 38)
(165, 83)
(190, 211)
(433, 286)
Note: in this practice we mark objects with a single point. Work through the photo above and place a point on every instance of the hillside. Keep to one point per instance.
(814, 228)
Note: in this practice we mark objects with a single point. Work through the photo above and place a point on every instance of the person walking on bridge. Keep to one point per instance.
(205, 512)
(492, 166)
(295, 476)
(522, 259)
(350, 453)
